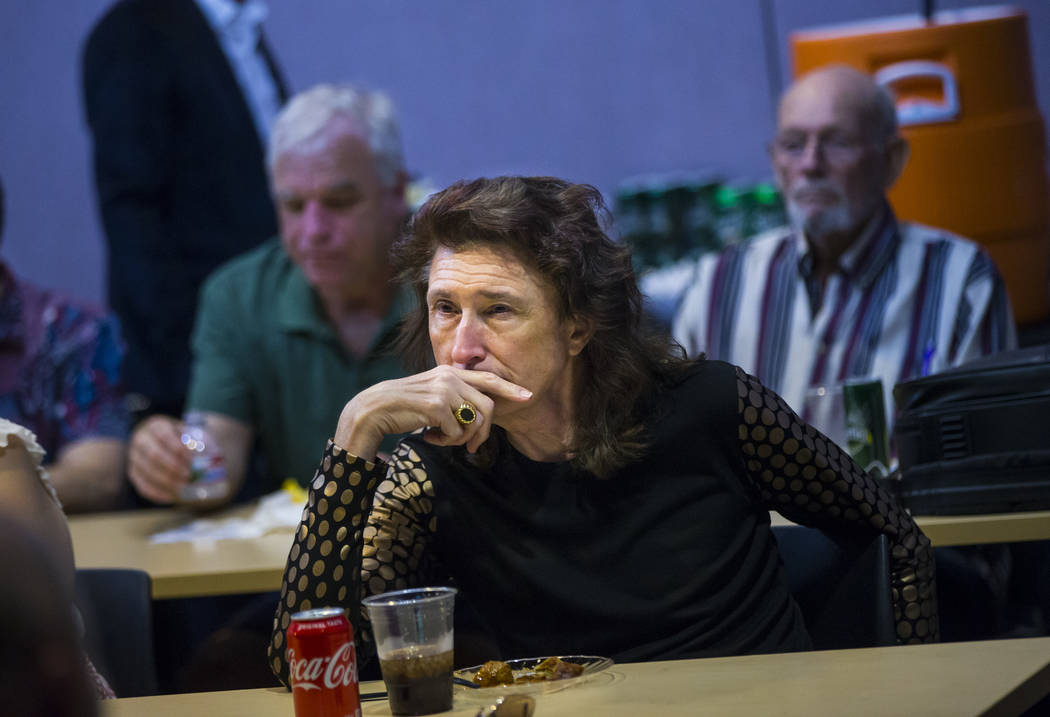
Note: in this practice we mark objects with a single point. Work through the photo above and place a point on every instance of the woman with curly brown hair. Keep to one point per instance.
(586, 488)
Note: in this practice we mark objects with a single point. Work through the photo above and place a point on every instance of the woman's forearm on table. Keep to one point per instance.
(324, 564)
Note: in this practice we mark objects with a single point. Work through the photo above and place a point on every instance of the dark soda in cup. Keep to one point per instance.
(414, 638)
(418, 683)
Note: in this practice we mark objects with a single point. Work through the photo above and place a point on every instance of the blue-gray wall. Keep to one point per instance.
(592, 90)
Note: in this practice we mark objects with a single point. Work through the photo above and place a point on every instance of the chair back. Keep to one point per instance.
(116, 607)
(841, 585)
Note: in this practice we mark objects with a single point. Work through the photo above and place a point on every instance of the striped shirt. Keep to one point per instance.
(906, 300)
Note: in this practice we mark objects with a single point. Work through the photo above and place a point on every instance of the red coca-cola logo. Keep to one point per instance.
(337, 670)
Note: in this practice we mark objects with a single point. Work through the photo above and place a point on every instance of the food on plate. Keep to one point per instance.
(557, 669)
(494, 672)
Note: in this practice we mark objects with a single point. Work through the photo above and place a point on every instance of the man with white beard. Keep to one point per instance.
(846, 291)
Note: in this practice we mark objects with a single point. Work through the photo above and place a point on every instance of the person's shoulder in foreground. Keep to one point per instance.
(44, 670)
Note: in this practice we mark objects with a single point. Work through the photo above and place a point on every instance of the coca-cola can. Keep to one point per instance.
(322, 664)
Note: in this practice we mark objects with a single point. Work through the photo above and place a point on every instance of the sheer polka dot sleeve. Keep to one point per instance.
(810, 480)
(399, 528)
(323, 566)
(363, 532)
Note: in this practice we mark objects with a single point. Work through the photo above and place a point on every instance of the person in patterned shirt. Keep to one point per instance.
(846, 290)
(60, 370)
(586, 488)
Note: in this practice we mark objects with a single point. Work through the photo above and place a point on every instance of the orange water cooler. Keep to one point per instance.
(966, 103)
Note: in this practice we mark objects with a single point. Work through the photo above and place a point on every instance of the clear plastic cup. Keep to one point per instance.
(827, 412)
(413, 634)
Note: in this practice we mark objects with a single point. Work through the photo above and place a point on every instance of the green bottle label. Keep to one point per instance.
(866, 438)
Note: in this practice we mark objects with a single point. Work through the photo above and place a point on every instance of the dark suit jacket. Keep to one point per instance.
(180, 174)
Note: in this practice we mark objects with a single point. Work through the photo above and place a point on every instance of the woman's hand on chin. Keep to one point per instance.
(425, 400)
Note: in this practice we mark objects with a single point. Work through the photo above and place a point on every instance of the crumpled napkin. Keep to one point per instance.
(280, 510)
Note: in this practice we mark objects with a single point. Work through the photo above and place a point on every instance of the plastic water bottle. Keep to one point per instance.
(208, 480)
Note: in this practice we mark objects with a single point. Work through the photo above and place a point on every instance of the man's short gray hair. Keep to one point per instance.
(874, 103)
(369, 114)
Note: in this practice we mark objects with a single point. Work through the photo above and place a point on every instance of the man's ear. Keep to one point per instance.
(580, 332)
(400, 185)
(397, 193)
(897, 152)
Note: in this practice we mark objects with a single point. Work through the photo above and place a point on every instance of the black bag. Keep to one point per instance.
(976, 439)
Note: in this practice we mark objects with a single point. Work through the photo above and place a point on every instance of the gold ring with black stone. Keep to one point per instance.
(466, 413)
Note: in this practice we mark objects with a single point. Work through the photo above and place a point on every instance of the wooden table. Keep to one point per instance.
(944, 530)
(185, 569)
(1002, 677)
(982, 529)
(193, 569)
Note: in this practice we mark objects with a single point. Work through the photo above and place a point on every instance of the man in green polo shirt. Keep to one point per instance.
(287, 332)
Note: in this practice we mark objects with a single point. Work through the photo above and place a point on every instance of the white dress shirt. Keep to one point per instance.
(239, 29)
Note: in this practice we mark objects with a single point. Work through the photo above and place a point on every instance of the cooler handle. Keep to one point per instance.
(918, 110)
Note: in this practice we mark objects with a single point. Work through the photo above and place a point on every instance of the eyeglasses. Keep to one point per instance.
(834, 148)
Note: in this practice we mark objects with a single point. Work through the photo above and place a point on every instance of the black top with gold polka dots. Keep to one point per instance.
(670, 557)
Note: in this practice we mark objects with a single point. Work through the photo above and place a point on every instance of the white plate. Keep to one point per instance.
(592, 665)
